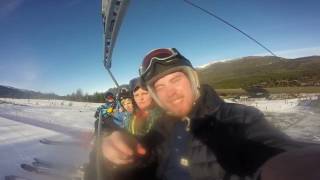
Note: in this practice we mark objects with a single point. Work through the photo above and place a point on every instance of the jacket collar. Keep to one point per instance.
(208, 102)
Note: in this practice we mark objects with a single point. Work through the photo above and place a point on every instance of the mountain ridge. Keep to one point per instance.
(266, 71)
(263, 71)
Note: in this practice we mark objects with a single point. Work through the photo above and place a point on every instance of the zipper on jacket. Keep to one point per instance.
(187, 119)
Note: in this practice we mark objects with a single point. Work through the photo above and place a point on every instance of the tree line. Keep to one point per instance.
(97, 97)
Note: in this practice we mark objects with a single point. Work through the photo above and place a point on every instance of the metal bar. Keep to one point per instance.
(112, 77)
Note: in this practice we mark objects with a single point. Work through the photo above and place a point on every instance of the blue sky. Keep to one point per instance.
(57, 46)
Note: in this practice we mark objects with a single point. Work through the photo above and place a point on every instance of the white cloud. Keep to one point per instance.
(296, 53)
(9, 6)
(213, 62)
(290, 54)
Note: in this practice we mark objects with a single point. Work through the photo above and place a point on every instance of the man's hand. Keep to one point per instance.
(120, 148)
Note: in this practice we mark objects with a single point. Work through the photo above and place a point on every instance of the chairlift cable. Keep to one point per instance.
(229, 24)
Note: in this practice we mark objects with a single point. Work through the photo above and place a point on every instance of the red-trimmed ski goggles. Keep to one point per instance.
(162, 56)
(109, 97)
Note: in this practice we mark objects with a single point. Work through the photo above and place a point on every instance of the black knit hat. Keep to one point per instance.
(136, 83)
(108, 95)
(124, 94)
(160, 62)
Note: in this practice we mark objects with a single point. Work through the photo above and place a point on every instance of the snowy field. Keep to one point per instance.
(24, 122)
(299, 118)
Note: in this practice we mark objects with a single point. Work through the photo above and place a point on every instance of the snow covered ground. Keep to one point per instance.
(299, 118)
(24, 122)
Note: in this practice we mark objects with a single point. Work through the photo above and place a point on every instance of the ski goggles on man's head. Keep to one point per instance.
(165, 58)
(158, 55)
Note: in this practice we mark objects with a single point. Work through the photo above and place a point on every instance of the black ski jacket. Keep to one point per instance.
(217, 141)
(225, 141)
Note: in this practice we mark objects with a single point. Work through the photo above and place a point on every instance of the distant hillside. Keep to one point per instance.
(266, 71)
(11, 92)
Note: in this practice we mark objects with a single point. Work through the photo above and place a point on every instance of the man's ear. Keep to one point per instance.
(168, 113)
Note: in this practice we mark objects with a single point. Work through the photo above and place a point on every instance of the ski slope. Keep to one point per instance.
(24, 122)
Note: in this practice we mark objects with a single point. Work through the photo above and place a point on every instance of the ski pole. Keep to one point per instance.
(98, 153)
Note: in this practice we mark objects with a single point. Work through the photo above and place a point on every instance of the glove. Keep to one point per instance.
(110, 110)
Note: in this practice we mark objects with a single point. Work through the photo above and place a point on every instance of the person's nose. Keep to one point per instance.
(140, 99)
(171, 91)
